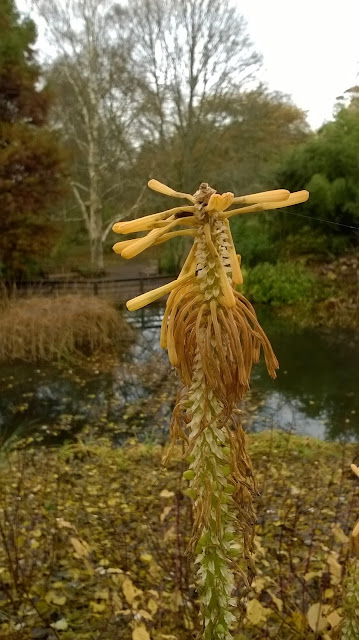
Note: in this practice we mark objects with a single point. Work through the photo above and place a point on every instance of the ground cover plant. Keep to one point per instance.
(46, 328)
(90, 550)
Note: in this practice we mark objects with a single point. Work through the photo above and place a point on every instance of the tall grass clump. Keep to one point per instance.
(45, 328)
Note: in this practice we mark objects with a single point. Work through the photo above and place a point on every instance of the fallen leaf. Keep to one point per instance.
(339, 534)
(276, 600)
(81, 547)
(130, 591)
(98, 607)
(152, 606)
(335, 568)
(334, 619)
(144, 614)
(64, 524)
(299, 620)
(256, 613)
(165, 513)
(140, 633)
(60, 625)
(166, 494)
(146, 558)
(315, 618)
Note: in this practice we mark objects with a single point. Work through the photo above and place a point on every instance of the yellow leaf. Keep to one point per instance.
(49, 596)
(130, 591)
(258, 584)
(335, 568)
(102, 594)
(276, 600)
(334, 619)
(312, 574)
(256, 613)
(117, 602)
(35, 544)
(355, 469)
(59, 600)
(64, 524)
(166, 494)
(165, 513)
(60, 625)
(98, 607)
(144, 614)
(299, 620)
(146, 558)
(81, 547)
(187, 621)
(315, 618)
(339, 534)
(140, 633)
(328, 593)
(152, 606)
(113, 501)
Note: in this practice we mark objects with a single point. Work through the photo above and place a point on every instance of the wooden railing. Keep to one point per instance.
(118, 289)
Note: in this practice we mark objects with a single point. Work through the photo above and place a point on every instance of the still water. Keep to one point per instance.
(315, 393)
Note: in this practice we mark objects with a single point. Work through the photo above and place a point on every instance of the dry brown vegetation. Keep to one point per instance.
(44, 328)
(94, 542)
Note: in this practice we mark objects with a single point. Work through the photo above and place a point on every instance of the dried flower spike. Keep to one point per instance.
(213, 338)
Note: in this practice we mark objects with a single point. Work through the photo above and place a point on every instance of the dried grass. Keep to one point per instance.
(44, 328)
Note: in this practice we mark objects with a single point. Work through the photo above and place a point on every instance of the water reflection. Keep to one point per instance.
(315, 392)
(316, 388)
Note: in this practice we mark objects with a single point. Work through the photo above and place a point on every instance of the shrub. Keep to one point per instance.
(40, 328)
(254, 240)
(281, 283)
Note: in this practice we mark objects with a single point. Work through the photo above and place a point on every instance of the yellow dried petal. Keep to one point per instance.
(276, 195)
(155, 185)
(120, 246)
(141, 244)
(220, 202)
(237, 276)
(151, 296)
(295, 198)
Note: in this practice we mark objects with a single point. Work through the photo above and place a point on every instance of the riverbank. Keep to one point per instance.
(339, 308)
(108, 531)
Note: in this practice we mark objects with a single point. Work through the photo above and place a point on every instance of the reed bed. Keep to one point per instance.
(47, 328)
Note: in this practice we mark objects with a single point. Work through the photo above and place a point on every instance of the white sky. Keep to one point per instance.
(310, 48)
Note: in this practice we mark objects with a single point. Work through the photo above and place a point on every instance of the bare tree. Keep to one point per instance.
(187, 51)
(95, 109)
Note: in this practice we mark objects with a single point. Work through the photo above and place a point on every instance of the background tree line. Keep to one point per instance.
(164, 88)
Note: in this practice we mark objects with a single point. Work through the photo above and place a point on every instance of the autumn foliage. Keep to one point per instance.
(32, 166)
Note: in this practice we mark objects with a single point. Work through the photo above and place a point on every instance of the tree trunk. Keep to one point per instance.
(97, 263)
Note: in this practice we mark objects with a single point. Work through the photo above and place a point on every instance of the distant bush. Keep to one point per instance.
(314, 245)
(281, 283)
(40, 328)
(254, 240)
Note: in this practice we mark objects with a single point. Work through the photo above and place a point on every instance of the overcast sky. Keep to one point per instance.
(310, 48)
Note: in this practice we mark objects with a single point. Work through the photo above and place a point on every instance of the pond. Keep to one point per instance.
(315, 392)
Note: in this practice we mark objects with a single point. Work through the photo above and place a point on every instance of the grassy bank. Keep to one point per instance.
(47, 328)
(93, 542)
